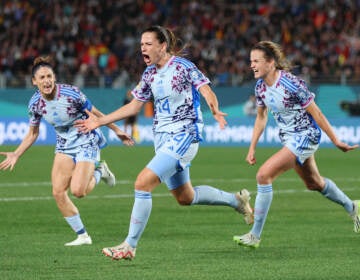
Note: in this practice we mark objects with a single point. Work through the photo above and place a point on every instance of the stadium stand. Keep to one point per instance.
(95, 43)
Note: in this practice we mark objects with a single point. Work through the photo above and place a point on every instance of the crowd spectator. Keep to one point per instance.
(95, 42)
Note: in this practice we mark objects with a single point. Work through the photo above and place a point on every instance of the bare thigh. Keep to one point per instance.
(82, 177)
(310, 174)
(61, 174)
(146, 180)
(61, 177)
(278, 163)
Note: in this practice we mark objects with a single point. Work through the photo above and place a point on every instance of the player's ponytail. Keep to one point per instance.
(272, 50)
(165, 35)
(41, 61)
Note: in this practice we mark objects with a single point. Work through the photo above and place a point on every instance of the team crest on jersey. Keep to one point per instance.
(195, 74)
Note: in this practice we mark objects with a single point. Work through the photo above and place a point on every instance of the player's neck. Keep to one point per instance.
(163, 61)
(271, 77)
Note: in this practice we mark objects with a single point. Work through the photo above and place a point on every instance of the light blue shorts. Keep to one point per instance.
(87, 152)
(173, 156)
(301, 146)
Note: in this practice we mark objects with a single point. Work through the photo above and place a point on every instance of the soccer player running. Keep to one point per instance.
(299, 119)
(77, 164)
(175, 84)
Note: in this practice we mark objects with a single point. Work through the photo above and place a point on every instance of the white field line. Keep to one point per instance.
(194, 181)
(128, 182)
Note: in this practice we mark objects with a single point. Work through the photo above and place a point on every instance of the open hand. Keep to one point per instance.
(9, 162)
(220, 118)
(89, 124)
(125, 138)
(346, 147)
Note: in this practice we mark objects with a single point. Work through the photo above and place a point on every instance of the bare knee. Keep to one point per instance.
(184, 195)
(78, 194)
(139, 184)
(60, 197)
(146, 181)
(184, 201)
(263, 178)
(80, 189)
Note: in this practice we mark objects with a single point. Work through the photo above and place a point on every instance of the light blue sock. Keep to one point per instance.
(97, 175)
(139, 217)
(76, 223)
(332, 192)
(207, 195)
(262, 205)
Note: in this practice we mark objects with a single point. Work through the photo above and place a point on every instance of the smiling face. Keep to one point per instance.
(261, 67)
(152, 50)
(44, 79)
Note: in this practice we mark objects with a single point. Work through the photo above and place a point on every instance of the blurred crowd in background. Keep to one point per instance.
(96, 43)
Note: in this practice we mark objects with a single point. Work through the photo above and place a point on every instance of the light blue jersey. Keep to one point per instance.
(174, 90)
(287, 100)
(177, 126)
(178, 122)
(61, 112)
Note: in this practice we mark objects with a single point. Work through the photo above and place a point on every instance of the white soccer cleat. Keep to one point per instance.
(356, 216)
(82, 239)
(248, 240)
(244, 207)
(106, 175)
(121, 252)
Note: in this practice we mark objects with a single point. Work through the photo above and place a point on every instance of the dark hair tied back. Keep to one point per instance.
(40, 62)
(164, 34)
(273, 51)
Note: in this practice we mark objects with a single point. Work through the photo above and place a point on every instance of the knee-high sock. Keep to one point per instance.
(139, 217)
(97, 175)
(76, 224)
(207, 195)
(332, 192)
(262, 205)
(97, 172)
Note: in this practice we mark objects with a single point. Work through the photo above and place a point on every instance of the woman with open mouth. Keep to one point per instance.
(77, 166)
(174, 84)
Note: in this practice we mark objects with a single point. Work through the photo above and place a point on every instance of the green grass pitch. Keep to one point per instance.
(305, 237)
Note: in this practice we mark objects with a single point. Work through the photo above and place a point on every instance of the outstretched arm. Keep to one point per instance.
(124, 137)
(123, 112)
(213, 104)
(12, 157)
(324, 124)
